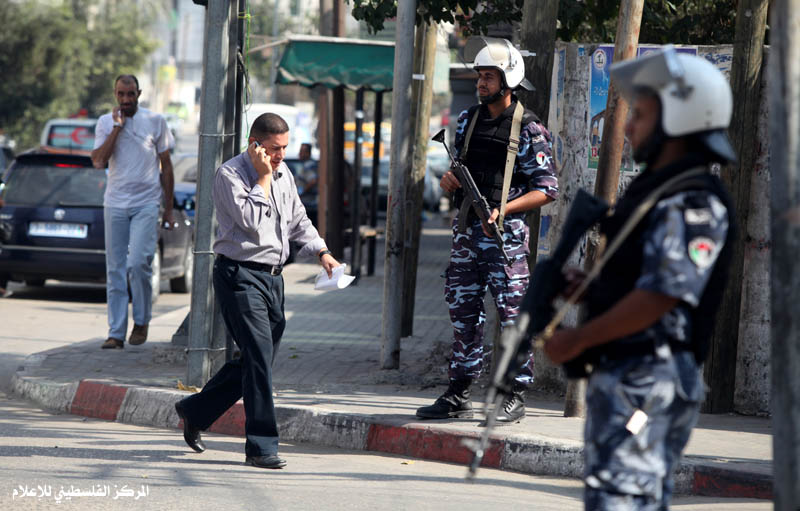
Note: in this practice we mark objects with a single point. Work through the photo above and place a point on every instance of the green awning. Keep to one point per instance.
(334, 62)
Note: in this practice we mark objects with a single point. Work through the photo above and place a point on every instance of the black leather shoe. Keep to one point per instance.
(271, 461)
(513, 407)
(190, 434)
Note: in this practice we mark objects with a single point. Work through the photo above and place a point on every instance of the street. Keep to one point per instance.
(78, 463)
(149, 468)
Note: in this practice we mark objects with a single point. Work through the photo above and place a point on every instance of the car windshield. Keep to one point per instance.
(39, 184)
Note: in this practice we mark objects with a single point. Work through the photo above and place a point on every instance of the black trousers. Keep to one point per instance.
(252, 307)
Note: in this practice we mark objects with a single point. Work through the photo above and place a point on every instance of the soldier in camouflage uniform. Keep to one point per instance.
(651, 310)
(476, 262)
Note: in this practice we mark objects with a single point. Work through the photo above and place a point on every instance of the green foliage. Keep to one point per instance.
(262, 17)
(43, 71)
(54, 65)
(117, 47)
(663, 21)
(473, 16)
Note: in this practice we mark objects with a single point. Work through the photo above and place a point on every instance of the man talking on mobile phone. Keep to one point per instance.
(259, 212)
(134, 143)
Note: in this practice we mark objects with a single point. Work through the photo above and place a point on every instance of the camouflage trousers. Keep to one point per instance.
(476, 264)
(640, 413)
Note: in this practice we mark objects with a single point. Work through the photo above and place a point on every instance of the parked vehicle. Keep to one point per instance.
(51, 226)
(305, 176)
(431, 195)
(68, 136)
(6, 156)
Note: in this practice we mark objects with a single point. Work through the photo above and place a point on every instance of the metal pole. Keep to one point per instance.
(355, 191)
(400, 167)
(215, 54)
(784, 127)
(373, 192)
(610, 158)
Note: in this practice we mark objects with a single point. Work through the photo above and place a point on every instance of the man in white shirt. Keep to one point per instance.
(134, 143)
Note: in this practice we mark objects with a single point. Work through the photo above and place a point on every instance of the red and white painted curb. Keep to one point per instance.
(395, 435)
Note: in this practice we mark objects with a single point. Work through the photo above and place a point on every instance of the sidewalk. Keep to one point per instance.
(330, 390)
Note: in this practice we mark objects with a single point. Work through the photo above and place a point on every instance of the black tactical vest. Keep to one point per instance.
(621, 272)
(486, 151)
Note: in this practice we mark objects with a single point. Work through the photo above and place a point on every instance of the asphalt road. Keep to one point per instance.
(68, 462)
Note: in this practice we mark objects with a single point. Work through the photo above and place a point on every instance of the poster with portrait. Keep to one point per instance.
(599, 80)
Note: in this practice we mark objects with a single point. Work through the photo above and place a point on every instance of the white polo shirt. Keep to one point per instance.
(133, 170)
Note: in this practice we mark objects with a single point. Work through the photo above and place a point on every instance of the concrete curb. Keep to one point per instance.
(529, 454)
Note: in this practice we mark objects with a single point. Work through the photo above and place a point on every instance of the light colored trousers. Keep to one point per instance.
(131, 237)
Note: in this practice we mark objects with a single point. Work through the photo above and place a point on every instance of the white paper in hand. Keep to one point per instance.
(338, 281)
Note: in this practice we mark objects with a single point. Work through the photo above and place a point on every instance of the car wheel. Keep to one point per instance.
(34, 282)
(183, 284)
(155, 280)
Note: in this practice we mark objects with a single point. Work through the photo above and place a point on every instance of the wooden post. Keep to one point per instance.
(421, 99)
(355, 191)
(373, 193)
(784, 129)
(330, 106)
(400, 166)
(610, 157)
(748, 53)
(538, 35)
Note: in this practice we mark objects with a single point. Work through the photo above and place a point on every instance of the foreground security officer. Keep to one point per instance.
(507, 151)
(259, 213)
(651, 311)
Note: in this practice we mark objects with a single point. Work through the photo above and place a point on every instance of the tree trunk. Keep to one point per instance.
(748, 53)
(421, 100)
(610, 157)
(784, 127)
(400, 166)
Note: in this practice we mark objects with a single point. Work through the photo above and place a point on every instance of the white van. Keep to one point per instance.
(68, 136)
(289, 113)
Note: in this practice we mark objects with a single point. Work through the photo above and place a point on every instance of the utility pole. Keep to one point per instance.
(610, 159)
(212, 117)
(748, 56)
(421, 100)
(784, 130)
(400, 166)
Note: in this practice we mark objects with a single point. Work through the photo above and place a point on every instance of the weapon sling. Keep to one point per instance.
(511, 156)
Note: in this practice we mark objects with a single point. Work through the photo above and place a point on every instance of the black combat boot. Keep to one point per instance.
(452, 404)
(513, 405)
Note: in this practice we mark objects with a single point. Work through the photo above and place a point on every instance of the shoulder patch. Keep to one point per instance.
(702, 251)
(541, 158)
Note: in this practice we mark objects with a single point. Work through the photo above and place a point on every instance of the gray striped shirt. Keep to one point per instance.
(254, 227)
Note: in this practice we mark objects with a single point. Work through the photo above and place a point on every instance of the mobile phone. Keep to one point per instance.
(257, 143)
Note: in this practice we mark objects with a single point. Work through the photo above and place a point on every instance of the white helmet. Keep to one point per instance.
(695, 96)
(499, 54)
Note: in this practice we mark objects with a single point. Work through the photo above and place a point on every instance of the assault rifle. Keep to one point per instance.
(472, 194)
(537, 317)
